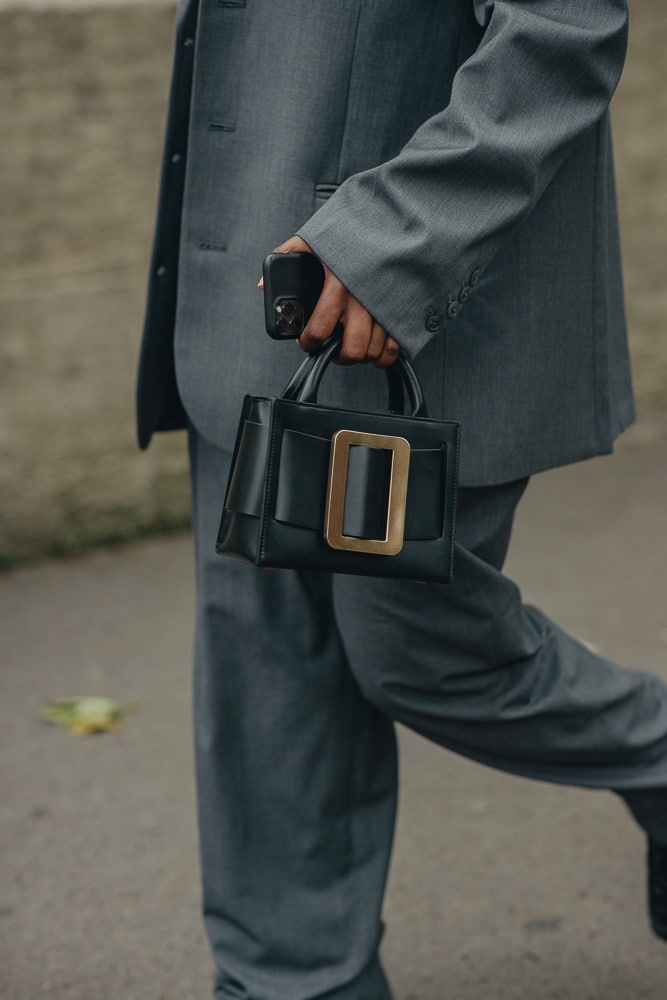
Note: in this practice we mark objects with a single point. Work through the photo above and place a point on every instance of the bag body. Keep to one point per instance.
(343, 491)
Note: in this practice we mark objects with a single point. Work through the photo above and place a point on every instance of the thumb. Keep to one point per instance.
(293, 245)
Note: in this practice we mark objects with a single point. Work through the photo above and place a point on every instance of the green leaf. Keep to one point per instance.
(86, 715)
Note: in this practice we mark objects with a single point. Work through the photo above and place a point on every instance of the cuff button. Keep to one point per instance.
(433, 323)
(453, 310)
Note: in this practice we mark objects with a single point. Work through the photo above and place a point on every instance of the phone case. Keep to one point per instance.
(292, 286)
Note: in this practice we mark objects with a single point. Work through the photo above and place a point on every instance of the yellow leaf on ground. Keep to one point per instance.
(87, 715)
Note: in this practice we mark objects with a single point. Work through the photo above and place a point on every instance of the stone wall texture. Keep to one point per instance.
(84, 90)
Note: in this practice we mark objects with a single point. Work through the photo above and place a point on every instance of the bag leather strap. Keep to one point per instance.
(395, 379)
(301, 495)
(307, 389)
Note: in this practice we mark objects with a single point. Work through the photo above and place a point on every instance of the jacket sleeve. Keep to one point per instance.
(410, 237)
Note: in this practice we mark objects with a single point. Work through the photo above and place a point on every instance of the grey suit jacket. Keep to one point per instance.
(451, 162)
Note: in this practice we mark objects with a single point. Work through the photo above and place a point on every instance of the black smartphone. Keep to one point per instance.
(292, 286)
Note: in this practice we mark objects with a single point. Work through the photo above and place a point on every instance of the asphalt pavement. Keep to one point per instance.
(500, 888)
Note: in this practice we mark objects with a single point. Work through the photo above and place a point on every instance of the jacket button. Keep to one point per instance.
(161, 271)
(475, 276)
(453, 309)
(464, 294)
(433, 323)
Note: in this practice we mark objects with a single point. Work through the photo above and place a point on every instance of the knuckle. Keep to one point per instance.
(316, 332)
(351, 356)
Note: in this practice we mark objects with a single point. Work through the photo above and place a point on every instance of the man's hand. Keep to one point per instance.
(364, 340)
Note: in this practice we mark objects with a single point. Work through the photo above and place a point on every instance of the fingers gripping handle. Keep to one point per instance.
(401, 376)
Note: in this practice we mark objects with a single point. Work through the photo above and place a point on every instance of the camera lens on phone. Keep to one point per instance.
(289, 307)
(282, 325)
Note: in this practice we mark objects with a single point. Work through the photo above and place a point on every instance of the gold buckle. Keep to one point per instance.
(341, 442)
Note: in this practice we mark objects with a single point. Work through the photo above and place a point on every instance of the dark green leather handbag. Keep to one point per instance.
(343, 491)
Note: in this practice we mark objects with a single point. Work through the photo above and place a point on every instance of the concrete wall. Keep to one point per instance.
(640, 118)
(84, 91)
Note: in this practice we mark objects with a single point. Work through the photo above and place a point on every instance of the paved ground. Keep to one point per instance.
(501, 889)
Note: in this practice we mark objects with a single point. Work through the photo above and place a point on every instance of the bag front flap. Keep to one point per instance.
(298, 471)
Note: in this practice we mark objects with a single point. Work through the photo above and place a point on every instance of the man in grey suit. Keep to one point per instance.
(449, 161)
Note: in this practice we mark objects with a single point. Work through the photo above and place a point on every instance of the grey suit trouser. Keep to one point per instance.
(298, 680)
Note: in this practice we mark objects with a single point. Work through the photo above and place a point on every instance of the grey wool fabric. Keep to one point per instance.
(298, 679)
(451, 162)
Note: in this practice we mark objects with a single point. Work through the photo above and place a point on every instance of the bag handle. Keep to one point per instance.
(395, 382)
(291, 390)
(401, 373)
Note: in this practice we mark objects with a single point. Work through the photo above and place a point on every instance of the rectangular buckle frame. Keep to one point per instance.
(341, 442)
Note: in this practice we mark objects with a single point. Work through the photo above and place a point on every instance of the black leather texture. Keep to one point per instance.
(274, 508)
